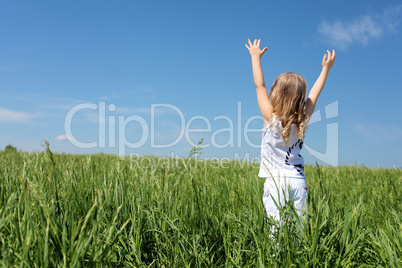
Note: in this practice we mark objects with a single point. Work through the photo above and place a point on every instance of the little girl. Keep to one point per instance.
(285, 112)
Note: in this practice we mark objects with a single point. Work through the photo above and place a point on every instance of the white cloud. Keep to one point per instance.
(61, 138)
(61, 106)
(379, 133)
(141, 93)
(128, 110)
(9, 68)
(11, 116)
(362, 30)
(145, 110)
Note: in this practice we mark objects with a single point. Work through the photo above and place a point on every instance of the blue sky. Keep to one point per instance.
(164, 69)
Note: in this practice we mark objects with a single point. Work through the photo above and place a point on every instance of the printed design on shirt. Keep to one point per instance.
(267, 193)
(299, 167)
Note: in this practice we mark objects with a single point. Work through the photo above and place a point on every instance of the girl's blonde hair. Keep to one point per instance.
(288, 98)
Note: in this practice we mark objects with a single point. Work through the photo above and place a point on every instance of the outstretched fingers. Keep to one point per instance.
(263, 51)
(254, 48)
(256, 43)
(329, 56)
(328, 59)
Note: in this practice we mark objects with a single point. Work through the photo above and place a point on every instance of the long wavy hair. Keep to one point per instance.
(288, 98)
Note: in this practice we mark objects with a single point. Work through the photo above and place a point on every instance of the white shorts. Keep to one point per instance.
(286, 189)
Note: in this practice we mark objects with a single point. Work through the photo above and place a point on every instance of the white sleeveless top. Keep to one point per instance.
(279, 159)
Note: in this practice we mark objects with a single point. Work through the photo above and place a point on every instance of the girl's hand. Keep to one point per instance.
(328, 60)
(254, 48)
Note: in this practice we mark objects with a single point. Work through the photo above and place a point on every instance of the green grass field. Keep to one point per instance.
(97, 210)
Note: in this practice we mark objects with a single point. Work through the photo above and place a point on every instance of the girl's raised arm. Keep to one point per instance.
(262, 94)
(327, 63)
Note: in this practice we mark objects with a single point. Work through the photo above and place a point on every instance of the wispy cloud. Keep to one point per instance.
(11, 116)
(61, 106)
(132, 111)
(124, 112)
(145, 110)
(63, 103)
(361, 30)
(61, 138)
(379, 133)
(10, 68)
(141, 93)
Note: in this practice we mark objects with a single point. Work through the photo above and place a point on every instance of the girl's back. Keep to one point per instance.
(280, 158)
(282, 137)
